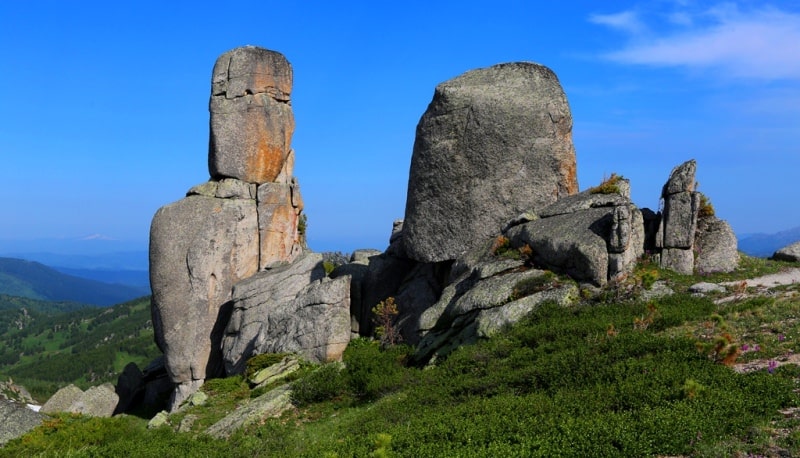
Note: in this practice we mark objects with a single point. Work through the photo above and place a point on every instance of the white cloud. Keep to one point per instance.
(627, 21)
(762, 44)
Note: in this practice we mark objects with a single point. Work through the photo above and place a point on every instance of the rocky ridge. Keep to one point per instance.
(493, 160)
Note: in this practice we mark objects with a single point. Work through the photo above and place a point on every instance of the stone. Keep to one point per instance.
(573, 243)
(420, 289)
(187, 422)
(129, 387)
(481, 302)
(182, 393)
(679, 221)
(252, 122)
(659, 289)
(493, 143)
(17, 420)
(286, 367)
(97, 401)
(270, 404)
(158, 420)
(279, 208)
(706, 288)
(681, 179)
(356, 270)
(678, 259)
(715, 246)
(62, 400)
(790, 253)
(384, 276)
(199, 248)
(289, 309)
(363, 256)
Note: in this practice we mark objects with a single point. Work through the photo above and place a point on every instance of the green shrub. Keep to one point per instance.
(371, 371)
(325, 383)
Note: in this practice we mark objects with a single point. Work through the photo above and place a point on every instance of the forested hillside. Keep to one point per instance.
(45, 346)
(23, 278)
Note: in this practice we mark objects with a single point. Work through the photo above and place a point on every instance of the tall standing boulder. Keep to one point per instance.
(245, 219)
(251, 115)
(679, 221)
(493, 143)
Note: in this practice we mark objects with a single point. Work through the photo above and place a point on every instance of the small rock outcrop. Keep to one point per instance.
(790, 253)
(592, 236)
(289, 309)
(493, 143)
(17, 420)
(97, 401)
(689, 237)
(270, 404)
(245, 219)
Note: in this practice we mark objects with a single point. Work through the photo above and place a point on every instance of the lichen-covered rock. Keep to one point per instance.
(17, 420)
(270, 404)
(493, 143)
(289, 309)
(279, 208)
(97, 401)
(716, 246)
(251, 116)
(62, 400)
(790, 253)
(483, 300)
(199, 248)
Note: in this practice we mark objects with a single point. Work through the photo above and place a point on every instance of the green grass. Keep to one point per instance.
(611, 377)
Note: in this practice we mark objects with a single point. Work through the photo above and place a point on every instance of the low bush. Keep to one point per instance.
(325, 383)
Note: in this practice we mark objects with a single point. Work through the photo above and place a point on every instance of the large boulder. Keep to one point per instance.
(97, 401)
(591, 237)
(199, 248)
(716, 246)
(251, 115)
(678, 223)
(292, 308)
(789, 253)
(493, 143)
(17, 420)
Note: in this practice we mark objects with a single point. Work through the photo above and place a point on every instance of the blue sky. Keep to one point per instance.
(104, 116)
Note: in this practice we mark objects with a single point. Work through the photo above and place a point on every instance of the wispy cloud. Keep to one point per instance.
(759, 44)
(627, 21)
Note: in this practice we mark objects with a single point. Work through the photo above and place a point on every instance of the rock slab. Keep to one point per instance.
(493, 143)
(251, 115)
(790, 253)
(17, 420)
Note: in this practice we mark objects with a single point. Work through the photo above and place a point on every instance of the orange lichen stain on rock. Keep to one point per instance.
(265, 163)
(569, 176)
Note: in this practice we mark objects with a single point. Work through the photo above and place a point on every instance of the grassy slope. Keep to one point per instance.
(37, 281)
(611, 377)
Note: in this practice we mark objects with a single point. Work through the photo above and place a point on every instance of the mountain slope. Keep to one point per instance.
(44, 351)
(37, 281)
(764, 245)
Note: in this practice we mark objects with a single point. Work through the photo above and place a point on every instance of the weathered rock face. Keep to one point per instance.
(291, 308)
(199, 248)
(590, 237)
(686, 241)
(480, 301)
(251, 116)
(715, 246)
(17, 420)
(493, 143)
(679, 220)
(245, 219)
(97, 401)
(789, 253)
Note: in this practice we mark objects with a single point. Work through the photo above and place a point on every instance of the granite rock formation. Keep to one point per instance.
(293, 308)
(17, 420)
(687, 239)
(97, 401)
(593, 237)
(243, 220)
(493, 143)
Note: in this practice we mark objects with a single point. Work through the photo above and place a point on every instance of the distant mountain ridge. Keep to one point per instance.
(764, 245)
(31, 279)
